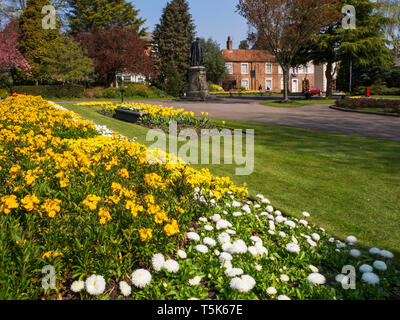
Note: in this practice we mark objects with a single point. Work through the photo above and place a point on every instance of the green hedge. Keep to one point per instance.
(387, 105)
(132, 90)
(52, 91)
(378, 90)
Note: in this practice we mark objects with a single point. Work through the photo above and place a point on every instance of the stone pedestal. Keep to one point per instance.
(198, 88)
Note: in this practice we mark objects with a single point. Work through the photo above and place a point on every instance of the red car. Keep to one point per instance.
(312, 92)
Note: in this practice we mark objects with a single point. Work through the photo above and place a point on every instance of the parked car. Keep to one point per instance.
(313, 92)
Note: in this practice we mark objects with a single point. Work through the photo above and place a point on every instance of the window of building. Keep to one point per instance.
(268, 68)
(229, 67)
(282, 84)
(280, 70)
(305, 68)
(245, 68)
(268, 84)
(245, 83)
(127, 78)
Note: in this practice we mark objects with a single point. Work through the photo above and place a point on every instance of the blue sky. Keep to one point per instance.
(213, 18)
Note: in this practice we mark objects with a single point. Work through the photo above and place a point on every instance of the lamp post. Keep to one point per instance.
(122, 90)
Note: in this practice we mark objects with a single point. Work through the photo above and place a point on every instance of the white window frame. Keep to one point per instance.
(282, 84)
(230, 68)
(297, 81)
(280, 71)
(267, 66)
(306, 69)
(272, 84)
(247, 68)
(246, 86)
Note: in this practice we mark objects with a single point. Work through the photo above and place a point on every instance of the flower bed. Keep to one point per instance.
(359, 103)
(115, 223)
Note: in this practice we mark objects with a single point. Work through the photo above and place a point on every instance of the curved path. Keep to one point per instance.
(316, 117)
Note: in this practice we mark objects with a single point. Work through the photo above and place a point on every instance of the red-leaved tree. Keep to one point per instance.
(117, 50)
(10, 57)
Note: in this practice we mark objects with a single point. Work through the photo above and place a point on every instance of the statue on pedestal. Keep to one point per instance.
(197, 73)
(196, 54)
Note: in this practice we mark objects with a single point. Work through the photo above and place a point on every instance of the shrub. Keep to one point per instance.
(388, 105)
(110, 93)
(3, 93)
(52, 91)
(215, 88)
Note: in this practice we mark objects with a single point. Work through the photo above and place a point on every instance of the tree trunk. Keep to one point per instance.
(329, 80)
(285, 84)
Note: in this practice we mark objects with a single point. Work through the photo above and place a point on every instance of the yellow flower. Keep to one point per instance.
(7, 203)
(51, 206)
(153, 180)
(30, 202)
(145, 234)
(172, 228)
(14, 171)
(46, 255)
(160, 217)
(104, 215)
(91, 201)
(123, 173)
(223, 122)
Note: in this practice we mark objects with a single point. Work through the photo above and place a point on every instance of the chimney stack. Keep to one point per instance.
(229, 43)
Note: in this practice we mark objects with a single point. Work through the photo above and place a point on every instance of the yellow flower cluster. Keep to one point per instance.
(52, 207)
(91, 201)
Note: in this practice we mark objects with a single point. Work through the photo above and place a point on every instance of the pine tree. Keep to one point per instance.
(172, 39)
(104, 14)
(35, 42)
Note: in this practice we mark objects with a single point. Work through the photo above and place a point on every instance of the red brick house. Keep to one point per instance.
(254, 68)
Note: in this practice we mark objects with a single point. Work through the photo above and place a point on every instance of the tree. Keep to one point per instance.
(117, 50)
(213, 60)
(67, 63)
(391, 9)
(85, 15)
(35, 42)
(244, 45)
(172, 39)
(286, 26)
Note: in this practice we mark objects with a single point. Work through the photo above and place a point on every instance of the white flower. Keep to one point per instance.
(265, 201)
(258, 267)
(226, 246)
(374, 251)
(224, 238)
(158, 262)
(193, 236)
(293, 247)
(215, 218)
(269, 209)
(243, 284)
(279, 219)
(256, 206)
(316, 236)
(223, 224)
(311, 243)
(313, 268)
(303, 222)
(193, 299)
(255, 239)
(208, 228)
(272, 291)
(284, 277)
(366, 268)
(217, 253)
(341, 245)
(253, 250)
(237, 214)
(370, 278)
(305, 214)
(203, 219)
(172, 266)
(226, 264)
(380, 265)
(351, 239)
(209, 242)
(283, 297)
(331, 239)
(78, 286)
(225, 256)
(195, 281)
(182, 254)
(95, 285)
(246, 208)
(125, 288)
(233, 272)
(294, 240)
(264, 213)
(228, 231)
(341, 278)
(278, 213)
(282, 234)
(355, 253)
(386, 254)
(316, 278)
(260, 196)
(290, 224)
(271, 232)
(236, 204)
(239, 246)
(201, 248)
(141, 278)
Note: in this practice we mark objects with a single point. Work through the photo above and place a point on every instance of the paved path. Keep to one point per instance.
(317, 117)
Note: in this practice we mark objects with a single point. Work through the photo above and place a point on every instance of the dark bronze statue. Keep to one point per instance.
(196, 54)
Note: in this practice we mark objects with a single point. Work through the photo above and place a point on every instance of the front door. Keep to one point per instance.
(295, 85)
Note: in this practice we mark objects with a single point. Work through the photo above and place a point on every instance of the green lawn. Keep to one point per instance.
(349, 184)
(297, 103)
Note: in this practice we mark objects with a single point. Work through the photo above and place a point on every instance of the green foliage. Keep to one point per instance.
(67, 63)
(35, 42)
(388, 105)
(132, 90)
(244, 45)
(213, 60)
(52, 91)
(3, 93)
(215, 88)
(172, 39)
(87, 14)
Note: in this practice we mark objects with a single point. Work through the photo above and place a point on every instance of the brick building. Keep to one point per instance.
(254, 68)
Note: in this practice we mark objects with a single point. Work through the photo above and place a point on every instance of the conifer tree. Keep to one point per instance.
(103, 14)
(172, 39)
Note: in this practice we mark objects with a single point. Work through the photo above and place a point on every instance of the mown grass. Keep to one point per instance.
(349, 184)
(297, 103)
